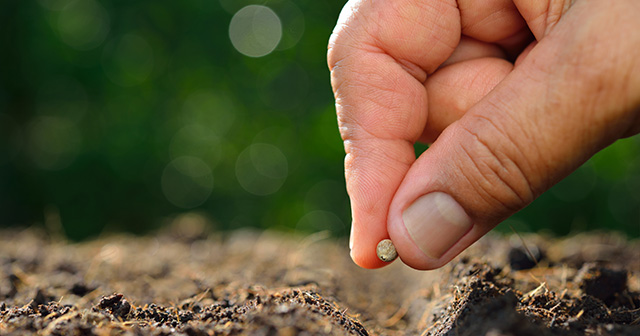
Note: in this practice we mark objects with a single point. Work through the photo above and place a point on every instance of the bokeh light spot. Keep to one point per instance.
(261, 169)
(187, 182)
(283, 137)
(53, 142)
(255, 30)
(128, 61)
(83, 24)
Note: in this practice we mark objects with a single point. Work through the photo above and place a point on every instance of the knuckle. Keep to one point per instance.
(496, 169)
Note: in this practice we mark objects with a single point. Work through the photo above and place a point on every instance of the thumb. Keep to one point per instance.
(556, 109)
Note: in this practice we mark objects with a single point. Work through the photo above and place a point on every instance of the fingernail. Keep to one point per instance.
(436, 222)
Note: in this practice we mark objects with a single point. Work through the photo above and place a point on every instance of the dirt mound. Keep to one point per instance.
(267, 283)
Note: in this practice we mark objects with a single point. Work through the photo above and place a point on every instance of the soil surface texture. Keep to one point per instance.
(193, 282)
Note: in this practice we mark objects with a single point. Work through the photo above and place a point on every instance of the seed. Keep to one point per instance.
(386, 251)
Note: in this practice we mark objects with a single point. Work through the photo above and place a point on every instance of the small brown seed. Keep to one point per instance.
(386, 251)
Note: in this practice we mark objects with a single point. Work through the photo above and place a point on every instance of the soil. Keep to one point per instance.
(192, 282)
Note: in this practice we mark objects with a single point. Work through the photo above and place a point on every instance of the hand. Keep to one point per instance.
(437, 71)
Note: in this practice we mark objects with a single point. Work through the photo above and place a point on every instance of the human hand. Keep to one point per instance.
(436, 71)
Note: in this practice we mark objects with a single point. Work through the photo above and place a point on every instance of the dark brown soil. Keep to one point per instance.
(266, 283)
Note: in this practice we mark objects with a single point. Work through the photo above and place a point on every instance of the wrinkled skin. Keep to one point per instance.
(513, 96)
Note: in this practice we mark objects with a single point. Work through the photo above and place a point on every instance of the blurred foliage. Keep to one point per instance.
(115, 115)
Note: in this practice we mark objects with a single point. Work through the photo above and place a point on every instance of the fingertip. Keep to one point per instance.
(367, 230)
(364, 255)
(371, 181)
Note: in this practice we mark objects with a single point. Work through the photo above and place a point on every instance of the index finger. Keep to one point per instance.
(379, 56)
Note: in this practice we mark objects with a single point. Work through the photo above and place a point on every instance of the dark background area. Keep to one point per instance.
(119, 115)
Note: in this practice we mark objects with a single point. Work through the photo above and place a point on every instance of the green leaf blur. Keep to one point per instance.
(119, 115)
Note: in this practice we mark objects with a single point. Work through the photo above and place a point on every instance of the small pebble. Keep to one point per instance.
(386, 251)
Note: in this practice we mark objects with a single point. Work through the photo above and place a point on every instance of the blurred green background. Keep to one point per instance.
(119, 115)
